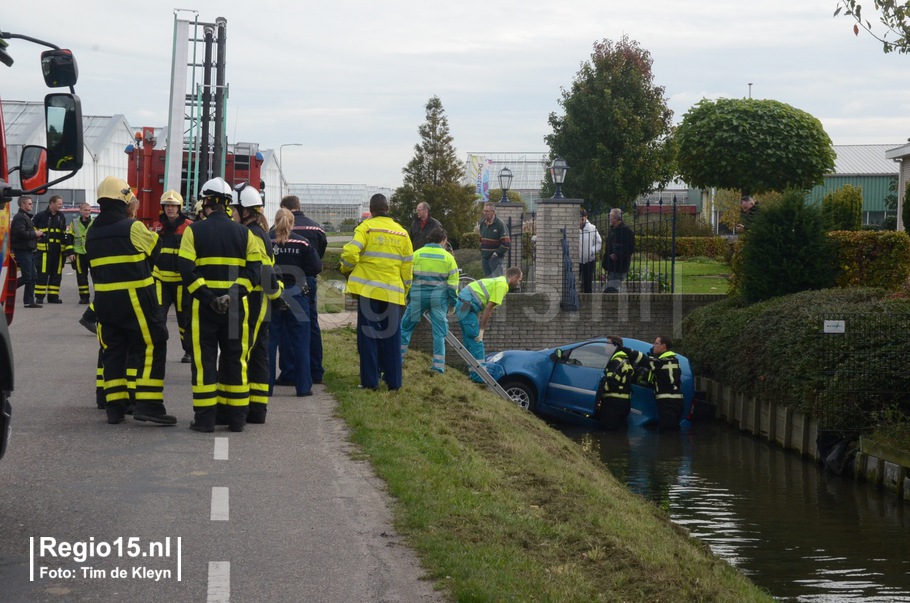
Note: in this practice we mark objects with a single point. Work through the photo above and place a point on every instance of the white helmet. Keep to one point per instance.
(216, 190)
(246, 196)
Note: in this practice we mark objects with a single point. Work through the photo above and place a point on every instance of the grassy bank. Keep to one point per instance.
(501, 507)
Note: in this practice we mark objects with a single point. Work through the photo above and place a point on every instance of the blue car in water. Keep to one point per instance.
(562, 382)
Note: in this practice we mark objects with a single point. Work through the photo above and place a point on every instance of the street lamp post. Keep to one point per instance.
(558, 172)
(505, 183)
(281, 153)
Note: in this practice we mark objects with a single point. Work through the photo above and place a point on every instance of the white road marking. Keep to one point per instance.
(219, 582)
(220, 504)
(221, 449)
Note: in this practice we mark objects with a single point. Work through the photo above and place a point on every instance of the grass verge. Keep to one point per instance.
(500, 507)
(702, 275)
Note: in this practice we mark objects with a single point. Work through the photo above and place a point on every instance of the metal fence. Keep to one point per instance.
(522, 251)
(862, 360)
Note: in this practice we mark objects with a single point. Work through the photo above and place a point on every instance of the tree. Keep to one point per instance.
(752, 145)
(615, 130)
(895, 16)
(434, 176)
(785, 250)
(514, 196)
(843, 209)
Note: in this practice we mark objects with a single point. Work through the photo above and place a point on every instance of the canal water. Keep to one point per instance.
(798, 532)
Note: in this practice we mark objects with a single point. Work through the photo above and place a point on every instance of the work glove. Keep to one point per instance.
(221, 304)
(479, 338)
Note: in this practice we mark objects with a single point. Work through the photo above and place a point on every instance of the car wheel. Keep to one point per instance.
(521, 393)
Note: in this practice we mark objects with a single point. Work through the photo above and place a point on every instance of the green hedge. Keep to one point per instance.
(776, 350)
(686, 247)
(872, 258)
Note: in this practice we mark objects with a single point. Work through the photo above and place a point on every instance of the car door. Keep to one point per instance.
(573, 384)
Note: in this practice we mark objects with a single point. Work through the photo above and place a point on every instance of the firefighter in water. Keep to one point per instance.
(169, 227)
(247, 208)
(220, 263)
(133, 337)
(52, 247)
(615, 394)
(76, 234)
(666, 377)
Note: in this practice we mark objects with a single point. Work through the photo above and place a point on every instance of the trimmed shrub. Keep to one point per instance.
(686, 247)
(785, 250)
(843, 209)
(771, 350)
(872, 258)
(469, 240)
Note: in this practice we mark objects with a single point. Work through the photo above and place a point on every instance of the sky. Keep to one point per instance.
(349, 80)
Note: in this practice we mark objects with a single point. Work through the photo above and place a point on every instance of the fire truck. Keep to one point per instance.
(193, 148)
(62, 152)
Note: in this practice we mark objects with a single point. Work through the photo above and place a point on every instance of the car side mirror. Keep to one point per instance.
(557, 356)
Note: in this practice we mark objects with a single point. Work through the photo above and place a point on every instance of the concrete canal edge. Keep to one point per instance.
(778, 424)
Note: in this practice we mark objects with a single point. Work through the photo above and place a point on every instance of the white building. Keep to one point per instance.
(335, 203)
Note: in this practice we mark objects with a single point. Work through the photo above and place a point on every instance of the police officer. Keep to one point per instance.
(433, 291)
(247, 205)
(615, 399)
(133, 337)
(170, 227)
(220, 263)
(378, 265)
(52, 247)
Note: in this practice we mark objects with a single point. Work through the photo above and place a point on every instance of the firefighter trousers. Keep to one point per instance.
(50, 273)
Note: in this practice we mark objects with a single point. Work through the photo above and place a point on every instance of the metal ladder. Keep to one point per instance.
(472, 362)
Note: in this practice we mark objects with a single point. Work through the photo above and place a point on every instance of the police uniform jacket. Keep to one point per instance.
(312, 231)
(379, 261)
(294, 258)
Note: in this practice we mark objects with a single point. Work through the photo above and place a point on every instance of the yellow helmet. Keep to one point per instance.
(115, 188)
(198, 207)
(172, 197)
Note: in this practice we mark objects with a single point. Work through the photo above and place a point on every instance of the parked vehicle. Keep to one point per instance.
(63, 152)
(562, 382)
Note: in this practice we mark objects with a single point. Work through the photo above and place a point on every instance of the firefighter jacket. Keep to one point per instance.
(435, 268)
(494, 239)
(666, 376)
(121, 252)
(54, 228)
(77, 230)
(217, 257)
(171, 233)
(268, 280)
(618, 376)
(294, 259)
(22, 232)
(312, 231)
(379, 261)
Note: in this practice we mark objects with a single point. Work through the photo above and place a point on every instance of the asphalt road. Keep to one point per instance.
(279, 512)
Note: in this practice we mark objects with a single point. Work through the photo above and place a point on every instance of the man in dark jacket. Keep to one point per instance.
(618, 250)
(52, 247)
(422, 226)
(313, 233)
(666, 377)
(495, 242)
(24, 243)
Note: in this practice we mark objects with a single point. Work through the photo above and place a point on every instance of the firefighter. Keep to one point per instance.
(666, 378)
(247, 207)
(52, 247)
(378, 265)
(433, 292)
(76, 235)
(615, 392)
(133, 337)
(219, 262)
(170, 227)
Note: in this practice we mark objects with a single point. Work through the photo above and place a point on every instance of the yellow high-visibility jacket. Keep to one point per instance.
(378, 261)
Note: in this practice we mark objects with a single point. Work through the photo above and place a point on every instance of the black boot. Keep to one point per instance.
(257, 412)
(204, 419)
(222, 414)
(115, 412)
(238, 417)
(153, 412)
(99, 398)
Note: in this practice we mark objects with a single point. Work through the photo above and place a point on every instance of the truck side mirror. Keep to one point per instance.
(59, 68)
(63, 113)
(33, 167)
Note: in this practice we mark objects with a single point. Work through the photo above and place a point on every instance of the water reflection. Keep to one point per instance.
(801, 534)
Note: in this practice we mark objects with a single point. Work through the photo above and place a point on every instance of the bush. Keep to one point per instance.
(843, 209)
(468, 260)
(469, 240)
(872, 258)
(785, 250)
(771, 350)
(686, 247)
(889, 223)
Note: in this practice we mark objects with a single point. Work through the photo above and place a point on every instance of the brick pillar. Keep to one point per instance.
(553, 215)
